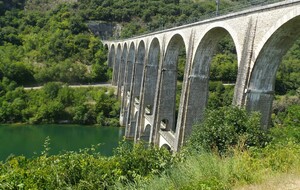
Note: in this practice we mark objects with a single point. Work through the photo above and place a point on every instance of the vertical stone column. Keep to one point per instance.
(135, 91)
(166, 101)
(182, 128)
(122, 67)
(245, 62)
(258, 100)
(111, 56)
(116, 67)
(196, 87)
(126, 92)
(153, 139)
(148, 88)
(127, 84)
(198, 97)
(260, 91)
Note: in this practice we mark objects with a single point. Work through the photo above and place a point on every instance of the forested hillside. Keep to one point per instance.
(42, 40)
(54, 45)
(48, 41)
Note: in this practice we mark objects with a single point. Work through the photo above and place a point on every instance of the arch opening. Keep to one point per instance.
(148, 90)
(222, 73)
(138, 70)
(106, 47)
(136, 80)
(129, 68)
(122, 71)
(131, 127)
(167, 147)
(170, 83)
(127, 83)
(145, 136)
(213, 75)
(111, 56)
(260, 91)
(116, 66)
(286, 103)
(151, 74)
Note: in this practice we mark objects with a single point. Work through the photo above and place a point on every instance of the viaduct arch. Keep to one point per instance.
(145, 69)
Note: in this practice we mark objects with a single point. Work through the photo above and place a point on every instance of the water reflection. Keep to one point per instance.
(27, 140)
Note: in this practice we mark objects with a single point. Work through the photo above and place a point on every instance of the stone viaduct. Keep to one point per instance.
(145, 70)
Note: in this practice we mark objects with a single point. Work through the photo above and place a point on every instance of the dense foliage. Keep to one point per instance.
(51, 45)
(225, 128)
(228, 127)
(285, 109)
(85, 169)
(10, 4)
(288, 74)
(56, 103)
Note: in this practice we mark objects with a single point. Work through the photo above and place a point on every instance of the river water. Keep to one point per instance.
(28, 140)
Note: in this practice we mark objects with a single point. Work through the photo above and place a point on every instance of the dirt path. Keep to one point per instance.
(282, 182)
(75, 86)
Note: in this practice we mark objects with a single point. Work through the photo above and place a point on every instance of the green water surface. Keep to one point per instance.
(28, 140)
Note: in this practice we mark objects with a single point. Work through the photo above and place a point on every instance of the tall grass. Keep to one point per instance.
(209, 171)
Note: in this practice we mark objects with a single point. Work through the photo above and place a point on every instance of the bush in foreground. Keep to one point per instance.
(85, 169)
(228, 127)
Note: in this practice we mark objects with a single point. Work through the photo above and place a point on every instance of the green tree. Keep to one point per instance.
(51, 89)
(227, 127)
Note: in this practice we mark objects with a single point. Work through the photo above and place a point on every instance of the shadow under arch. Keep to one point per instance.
(127, 83)
(111, 56)
(145, 134)
(167, 147)
(116, 65)
(260, 91)
(122, 70)
(166, 110)
(198, 80)
(138, 69)
(105, 46)
(150, 78)
(131, 128)
(136, 82)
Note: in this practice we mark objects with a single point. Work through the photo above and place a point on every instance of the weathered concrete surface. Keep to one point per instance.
(261, 35)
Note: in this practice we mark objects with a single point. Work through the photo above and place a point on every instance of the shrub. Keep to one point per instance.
(228, 127)
(137, 162)
(86, 169)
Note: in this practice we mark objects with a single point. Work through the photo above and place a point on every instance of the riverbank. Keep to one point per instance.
(57, 103)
